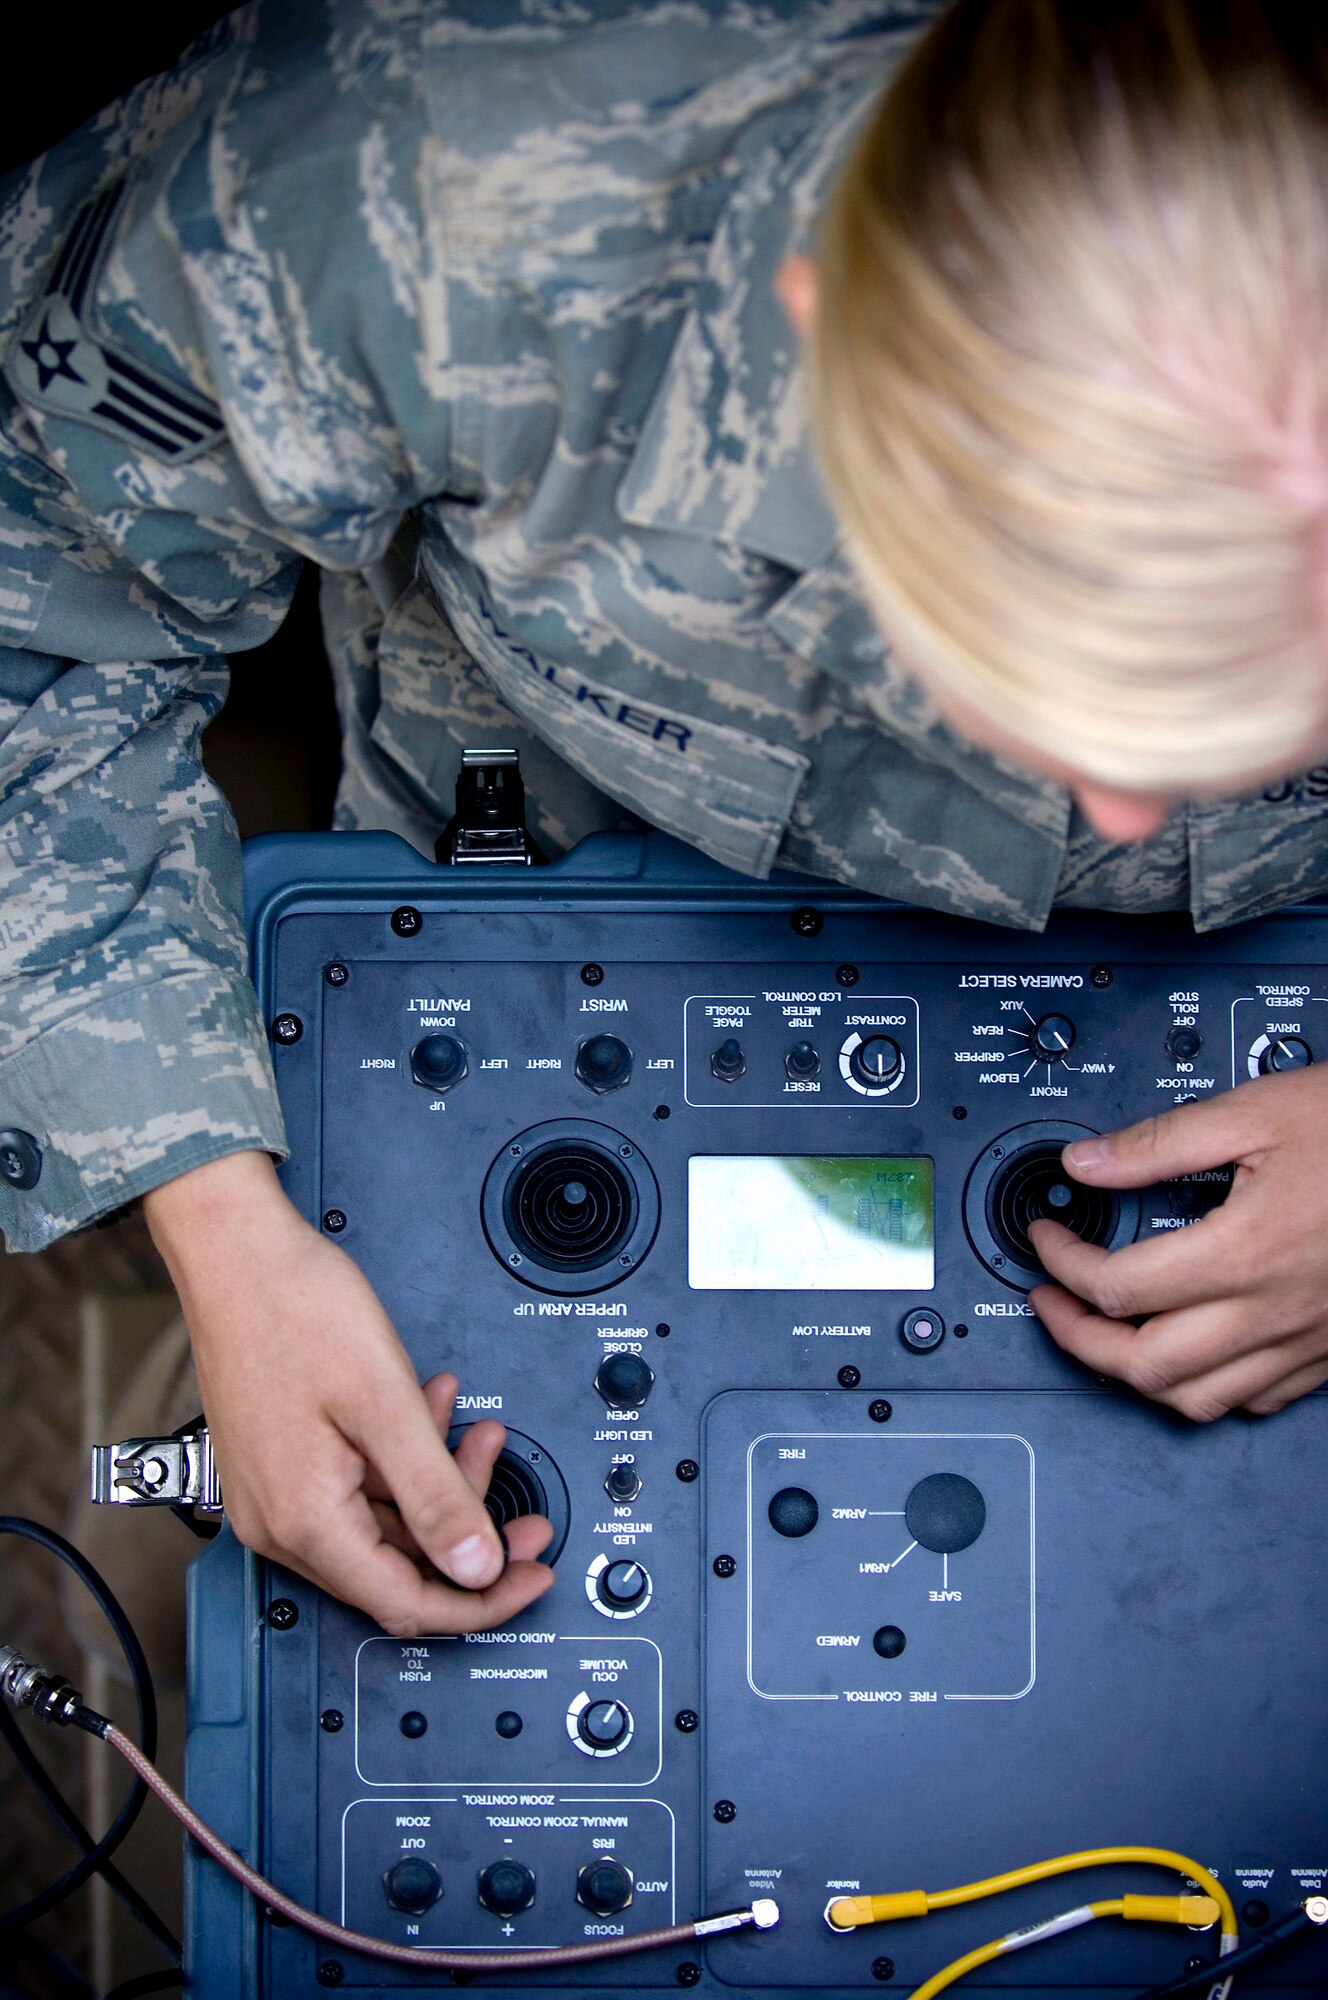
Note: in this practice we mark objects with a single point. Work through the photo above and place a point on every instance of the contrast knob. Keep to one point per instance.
(604, 1887)
(624, 1381)
(412, 1886)
(1052, 1037)
(438, 1062)
(1285, 1052)
(622, 1586)
(802, 1061)
(603, 1725)
(603, 1062)
(507, 1888)
(728, 1062)
(877, 1061)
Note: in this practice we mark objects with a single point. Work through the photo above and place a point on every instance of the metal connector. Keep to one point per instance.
(28, 1685)
(1316, 1909)
(489, 823)
(174, 1471)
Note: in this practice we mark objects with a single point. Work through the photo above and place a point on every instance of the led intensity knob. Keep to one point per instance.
(877, 1061)
(1052, 1037)
(618, 1587)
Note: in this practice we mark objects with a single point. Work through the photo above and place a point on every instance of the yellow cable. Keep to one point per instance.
(1150, 1909)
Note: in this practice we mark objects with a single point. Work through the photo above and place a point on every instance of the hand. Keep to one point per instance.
(1234, 1306)
(332, 1461)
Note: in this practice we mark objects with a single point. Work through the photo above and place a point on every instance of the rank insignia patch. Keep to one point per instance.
(61, 363)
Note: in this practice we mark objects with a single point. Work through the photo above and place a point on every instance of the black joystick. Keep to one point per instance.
(603, 1725)
(728, 1062)
(412, 1886)
(604, 1887)
(802, 1061)
(507, 1888)
(877, 1061)
(622, 1483)
(603, 1062)
(624, 1381)
(438, 1062)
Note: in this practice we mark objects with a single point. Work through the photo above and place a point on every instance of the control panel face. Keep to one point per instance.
(862, 1584)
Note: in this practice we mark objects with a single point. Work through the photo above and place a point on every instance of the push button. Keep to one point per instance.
(412, 1886)
(20, 1159)
(507, 1888)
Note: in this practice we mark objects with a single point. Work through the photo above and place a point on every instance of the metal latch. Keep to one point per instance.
(489, 823)
(176, 1471)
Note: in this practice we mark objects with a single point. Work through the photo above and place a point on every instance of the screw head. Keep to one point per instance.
(687, 1470)
(807, 922)
(847, 975)
(1195, 1964)
(849, 1376)
(336, 974)
(287, 1029)
(725, 1810)
(334, 1221)
(661, 1111)
(689, 1973)
(960, 1111)
(331, 1972)
(282, 1614)
(663, 1330)
(592, 974)
(880, 1411)
(687, 1720)
(725, 1565)
(407, 921)
(1101, 975)
(883, 1968)
(332, 1720)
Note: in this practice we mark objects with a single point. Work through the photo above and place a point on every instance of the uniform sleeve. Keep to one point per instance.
(222, 336)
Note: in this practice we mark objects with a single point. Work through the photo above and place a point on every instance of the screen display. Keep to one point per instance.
(813, 1223)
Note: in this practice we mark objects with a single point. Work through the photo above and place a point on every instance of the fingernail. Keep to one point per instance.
(473, 1562)
(1087, 1153)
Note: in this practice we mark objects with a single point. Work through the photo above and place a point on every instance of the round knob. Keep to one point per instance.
(413, 1886)
(438, 1062)
(604, 1887)
(603, 1063)
(623, 1484)
(624, 1381)
(507, 1888)
(603, 1725)
(1052, 1037)
(1285, 1052)
(877, 1061)
(728, 1062)
(802, 1060)
(623, 1585)
(1184, 1044)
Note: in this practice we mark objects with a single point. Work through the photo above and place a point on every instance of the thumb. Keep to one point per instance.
(1183, 1141)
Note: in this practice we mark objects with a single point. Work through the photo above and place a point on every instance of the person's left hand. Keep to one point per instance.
(1234, 1307)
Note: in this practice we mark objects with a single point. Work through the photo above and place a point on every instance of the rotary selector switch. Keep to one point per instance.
(1051, 1039)
(600, 1726)
(439, 1062)
(873, 1065)
(412, 1886)
(1276, 1055)
(618, 1587)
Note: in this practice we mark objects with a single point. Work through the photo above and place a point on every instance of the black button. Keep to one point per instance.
(603, 1725)
(438, 1062)
(889, 1642)
(793, 1512)
(20, 1159)
(509, 1723)
(945, 1513)
(604, 1888)
(1184, 1044)
(507, 1888)
(414, 1724)
(413, 1886)
(728, 1062)
(603, 1063)
(624, 1381)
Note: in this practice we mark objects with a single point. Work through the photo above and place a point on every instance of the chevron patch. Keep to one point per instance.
(60, 363)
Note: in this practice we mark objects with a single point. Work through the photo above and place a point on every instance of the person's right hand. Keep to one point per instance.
(332, 1458)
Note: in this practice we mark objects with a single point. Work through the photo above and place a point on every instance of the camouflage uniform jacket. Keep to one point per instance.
(472, 306)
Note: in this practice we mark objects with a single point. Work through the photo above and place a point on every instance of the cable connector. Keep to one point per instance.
(764, 1914)
(1316, 1909)
(177, 1471)
(49, 1696)
(1199, 1912)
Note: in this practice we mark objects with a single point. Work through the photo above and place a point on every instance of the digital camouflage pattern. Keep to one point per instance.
(471, 305)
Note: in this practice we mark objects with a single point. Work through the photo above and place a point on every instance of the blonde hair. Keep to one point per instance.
(1070, 377)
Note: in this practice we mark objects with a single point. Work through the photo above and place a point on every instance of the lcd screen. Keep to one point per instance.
(809, 1224)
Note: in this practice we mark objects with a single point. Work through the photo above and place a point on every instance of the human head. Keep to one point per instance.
(1070, 381)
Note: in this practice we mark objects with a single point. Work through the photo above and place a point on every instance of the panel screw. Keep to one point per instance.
(880, 1411)
(1195, 1964)
(883, 1968)
(287, 1029)
(331, 1972)
(514, 1258)
(407, 922)
(332, 1720)
(624, 1151)
(807, 922)
(687, 1470)
(725, 1566)
(689, 1973)
(849, 1376)
(847, 975)
(592, 974)
(687, 1720)
(961, 1331)
(335, 975)
(334, 1221)
(282, 1614)
(960, 1111)
(725, 1810)
(1101, 975)
(516, 1151)
(660, 1111)
(663, 1330)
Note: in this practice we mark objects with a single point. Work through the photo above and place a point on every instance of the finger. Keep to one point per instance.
(1182, 1267)
(1185, 1140)
(397, 1432)
(1267, 1379)
(440, 1392)
(1167, 1353)
(477, 1452)
(1266, 1402)
(394, 1530)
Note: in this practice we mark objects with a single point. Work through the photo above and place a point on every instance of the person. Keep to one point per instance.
(474, 306)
